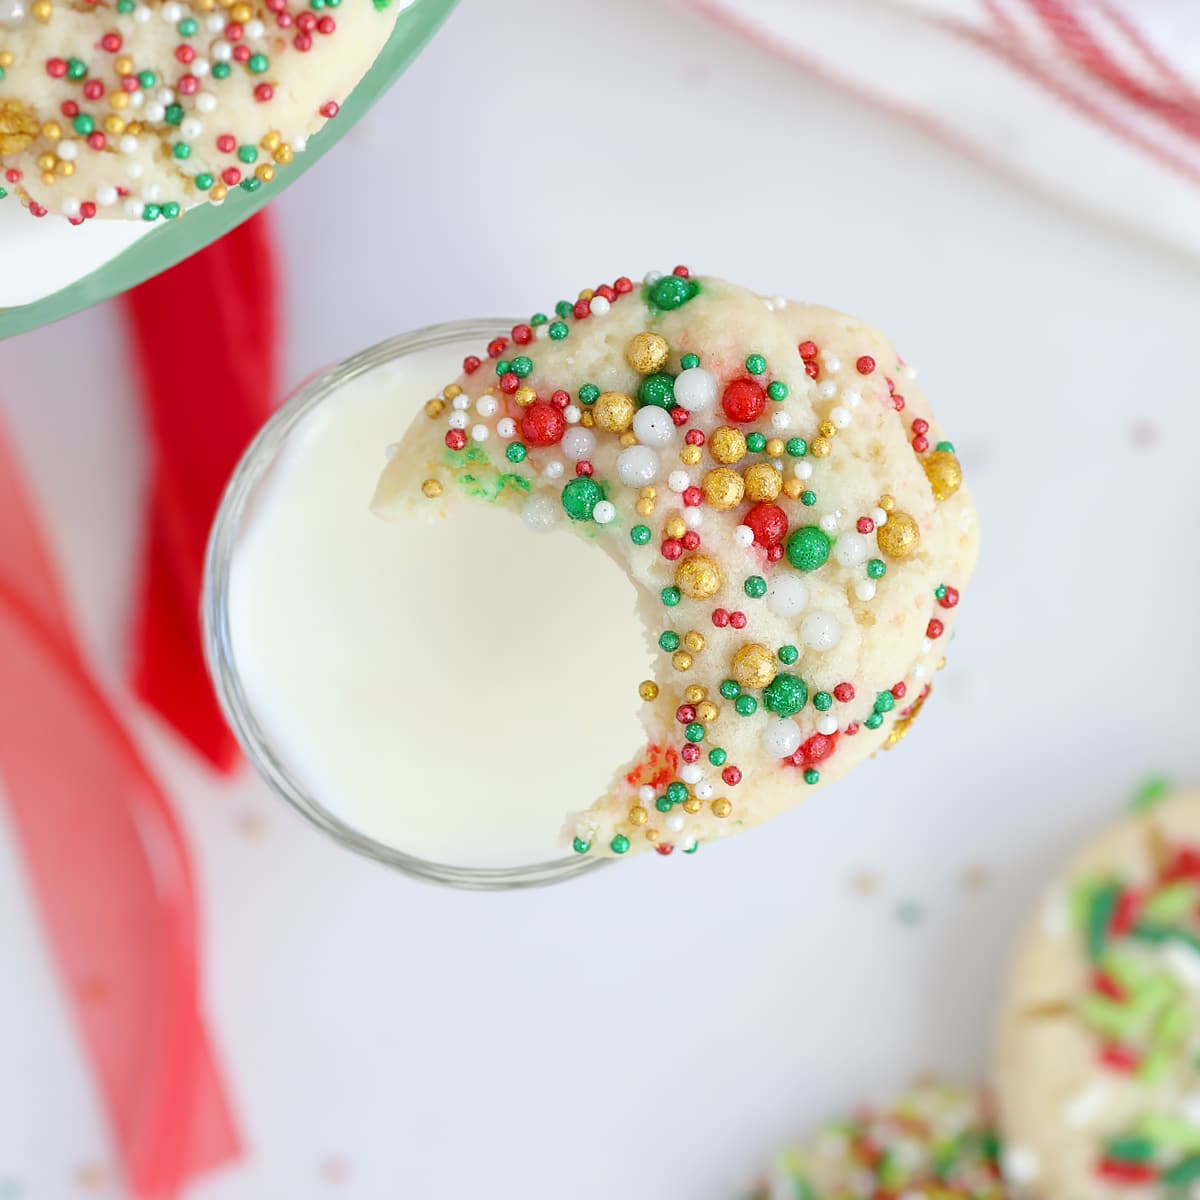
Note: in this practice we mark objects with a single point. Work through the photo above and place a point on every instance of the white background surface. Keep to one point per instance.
(652, 1032)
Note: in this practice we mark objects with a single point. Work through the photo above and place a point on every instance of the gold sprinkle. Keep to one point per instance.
(723, 488)
(727, 445)
(284, 155)
(827, 429)
(52, 131)
(944, 473)
(118, 100)
(647, 352)
(694, 694)
(434, 408)
(42, 11)
(264, 172)
(524, 396)
(123, 65)
(694, 641)
(271, 141)
(775, 447)
(46, 162)
(18, 127)
(793, 489)
(691, 805)
(627, 439)
(6, 59)
(241, 13)
(887, 503)
(674, 527)
(763, 482)
(753, 665)
(721, 808)
(899, 537)
(638, 815)
(48, 177)
(586, 419)
(706, 711)
(652, 835)
(648, 689)
(114, 125)
(698, 577)
(648, 492)
(681, 660)
(819, 447)
(586, 294)
(218, 193)
(645, 508)
(452, 392)
(65, 169)
(690, 456)
(432, 488)
(613, 412)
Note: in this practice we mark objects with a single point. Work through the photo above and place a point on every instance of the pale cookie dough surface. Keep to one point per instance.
(726, 463)
(138, 110)
(1098, 1057)
(935, 1143)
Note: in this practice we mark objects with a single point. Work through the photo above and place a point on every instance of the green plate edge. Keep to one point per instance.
(171, 243)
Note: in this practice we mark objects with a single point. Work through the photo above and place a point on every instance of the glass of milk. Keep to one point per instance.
(419, 690)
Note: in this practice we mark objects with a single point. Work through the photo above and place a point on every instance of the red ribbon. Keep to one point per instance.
(109, 869)
(205, 338)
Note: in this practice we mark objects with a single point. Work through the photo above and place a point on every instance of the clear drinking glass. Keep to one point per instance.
(236, 504)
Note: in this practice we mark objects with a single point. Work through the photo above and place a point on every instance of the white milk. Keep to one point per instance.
(452, 689)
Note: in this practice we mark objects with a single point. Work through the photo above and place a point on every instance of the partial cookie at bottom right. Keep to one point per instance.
(1097, 1069)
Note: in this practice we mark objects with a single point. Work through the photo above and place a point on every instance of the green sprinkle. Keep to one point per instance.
(756, 364)
(797, 447)
(558, 331)
(1101, 906)
(204, 181)
(1150, 792)
(694, 732)
(639, 535)
(187, 27)
(777, 390)
(76, 68)
(522, 366)
(808, 497)
(668, 641)
(730, 690)
(147, 79)
(677, 792)
(657, 389)
(745, 705)
(3, 193)
(619, 844)
(1, 81)
(174, 116)
(588, 393)
(874, 721)
(785, 695)
(580, 846)
(515, 452)
(885, 702)
(669, 596)
(808, 548)
(812, 775)
(250, 185)
(755, 587)
(822, 702)
(170, 210)
(580, 497)
(247, 154)
(83, 124)
(503, 366)
(663, 804)
(151, 212)
(788, 654)
(221, 70)
(181, 150)
(756, 443)
(692, 848)
(717, 756)
(688, 361)
(258, 63)
(939, 592)
(124, 7)
(1171, 904)
(1129, 1148)
(876, 568)
(564, 308)
(671, 292)
(946, 446)
(1187, 1171)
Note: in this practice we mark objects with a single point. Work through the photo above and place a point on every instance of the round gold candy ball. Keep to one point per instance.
(763, 482)
(900, 537)
(648, 689)
(721, 808)
(723, 488)
(944, 473)
(691, 805)
(525, 396)
(694, 694)
(647, 352)
(694, 641)
(613, 412)
(674, 527)
(706, 711)
(681, 660)
(638, 815)
(727, 445)
(698, 577)
(753, 665)
(432, 488)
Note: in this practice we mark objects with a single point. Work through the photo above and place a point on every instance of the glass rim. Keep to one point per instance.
(254, 464)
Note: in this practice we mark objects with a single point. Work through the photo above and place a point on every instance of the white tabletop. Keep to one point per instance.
(653, 1031)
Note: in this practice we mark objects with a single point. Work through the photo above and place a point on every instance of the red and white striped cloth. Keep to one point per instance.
(1096, 102)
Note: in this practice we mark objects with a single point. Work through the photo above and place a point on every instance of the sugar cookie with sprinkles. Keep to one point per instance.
(937, 1142)
(1098, 1056)
(140, 109)
(774, 484)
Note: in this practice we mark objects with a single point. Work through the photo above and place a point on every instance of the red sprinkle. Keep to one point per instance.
(720, 617)
(582, 309)
(542, 424)
(497, 347)
(189, 85)
(622, 285)
(583, 467)
(690, 752)
(93, 89)
(96, 140)
(1126, 912)
(87, 210)
(920, 426)
(899, 691)
(811, 369)
(865, 525)
(694, 437)
(241, 54)
(685, 714)
(471, 364)
(920, 444)
(934, 629)
(226, 143)
(56, 68)
(262, 93)
(1106, 985)
(1127, 1172)
(774, 553)
(682, 272)
(865, 365)
(301, 41)
(672, 549)
(509, 382)
(607, 292)
(808, 350)
(679, 416)
(330, 109)
(737, 619)
(732, 776)
(950, 599)
(768, 522)
(664, 848)
(1120, 1058)
(692, 496)
(326, 25)
(691, 540)
(231, 175)
(185, 53)
(844, 693)
(111, 42)
(744, 400)
(456, 439)
(560, 399)
(522, 335)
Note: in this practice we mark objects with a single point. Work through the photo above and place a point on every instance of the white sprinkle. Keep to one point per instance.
(850, 549)
(820, 631)
(165, 96)
(70, 207)
(786, 595)
(254, 29)
(205, 102)
(190, 129)
(653, 426)
(151, 193)
(646, 794)
(703, 791)
(604, 512)
(695, 389)
(693, 518)
(171, 13)
(133, 208)
(802, 470)
(827, 389)
(106, 196)
(599, 306)
(637, 466)
(155, 112)
(553, 469)
(134, 170)
(540, 513)
(572, 414)
(479, 433)
(542, 332)
(651, 278)
(879, 517)
(461, 402)
(781, 738)
(222, 51)
(743, 535)
(67, 151)
(852, 397)
(828, 523)
(691, 773)
(142, 14)
(1020, 1165)
(675, 823)
(457, 420)
(215, 23)
(831, 363)
(578, 443)
(677, 481)
(486, 405)
(1184, 964)
(864, 589)
(781, 419)
(827, 725)
(839, 416)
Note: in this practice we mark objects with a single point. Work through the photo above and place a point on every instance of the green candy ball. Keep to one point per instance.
(785, 695)
(671, 291)
(658, 389)
(580, 498)
(808, 548)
